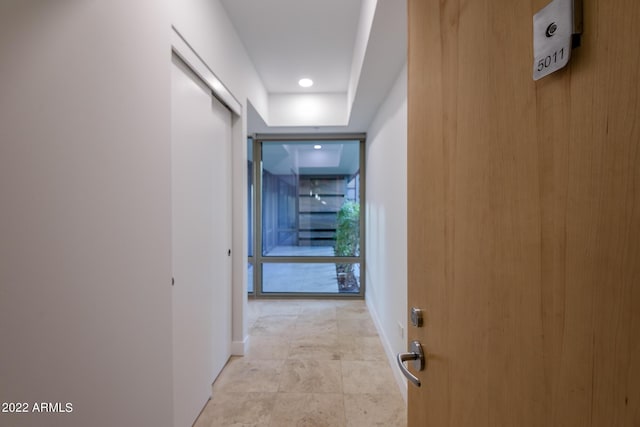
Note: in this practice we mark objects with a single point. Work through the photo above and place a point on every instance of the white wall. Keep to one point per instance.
(207, 28)
(367, 13)
(309, 109)
(386, 221)
(85, 255)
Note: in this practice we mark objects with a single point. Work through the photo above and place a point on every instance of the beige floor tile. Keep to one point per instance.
(314, 327)
(367, 377)
(253, 311)
(311, 376)
(313, 311)
(278, 307)
(375, 410)
(308, 410)
(238, 410)
(268, 347)
(356, 328)
(355, 311)
(309, 363)
(361, 348)
(281, 325)
(247, 375)
(319, 347)
(317, 303)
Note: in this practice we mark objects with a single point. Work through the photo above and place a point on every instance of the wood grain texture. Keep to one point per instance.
(524, 218)
(426, 205)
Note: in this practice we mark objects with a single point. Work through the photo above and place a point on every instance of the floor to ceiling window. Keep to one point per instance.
(307, 224)
(250, 215)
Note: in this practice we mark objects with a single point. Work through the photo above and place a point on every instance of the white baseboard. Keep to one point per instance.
(239, 348)
(391, 357)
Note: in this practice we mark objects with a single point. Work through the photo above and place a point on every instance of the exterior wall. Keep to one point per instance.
(85, 254)
(386, 221)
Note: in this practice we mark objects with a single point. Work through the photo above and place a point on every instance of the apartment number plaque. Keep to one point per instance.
(556, 30)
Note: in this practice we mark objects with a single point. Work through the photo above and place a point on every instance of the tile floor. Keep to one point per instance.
(310, 363)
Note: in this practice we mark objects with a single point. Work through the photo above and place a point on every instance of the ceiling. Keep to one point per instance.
(311, 157)
(291, 39)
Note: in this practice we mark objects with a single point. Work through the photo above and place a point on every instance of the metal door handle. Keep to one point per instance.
(417, 355)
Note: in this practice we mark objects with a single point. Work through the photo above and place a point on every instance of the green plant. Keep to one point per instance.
(347, 243)
(348, 229)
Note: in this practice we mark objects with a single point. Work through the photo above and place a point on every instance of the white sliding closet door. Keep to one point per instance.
(201, 139)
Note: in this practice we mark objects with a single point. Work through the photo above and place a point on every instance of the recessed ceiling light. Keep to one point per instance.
(305, 82)
(317, 146)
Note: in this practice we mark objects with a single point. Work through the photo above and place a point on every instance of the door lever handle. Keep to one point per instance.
(417, 356)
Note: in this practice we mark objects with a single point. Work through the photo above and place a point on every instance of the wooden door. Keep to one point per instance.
(524, 218)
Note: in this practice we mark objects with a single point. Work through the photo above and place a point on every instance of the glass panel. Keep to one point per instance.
(311, 278)
(311, 198)
(250, 277)
(250, 195)
(250, 232)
